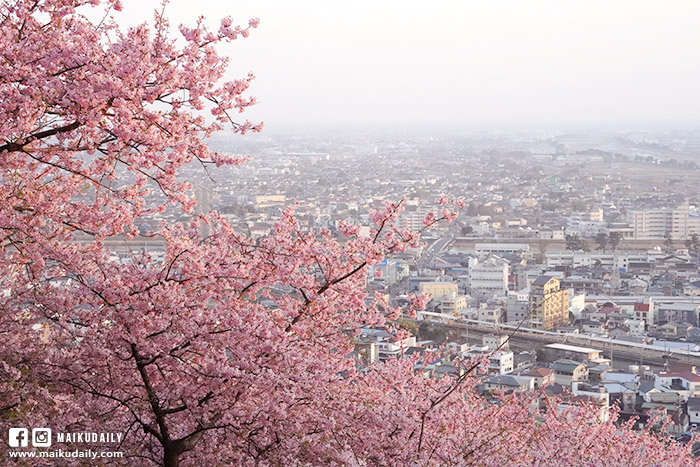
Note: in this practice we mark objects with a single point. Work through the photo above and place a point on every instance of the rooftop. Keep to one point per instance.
(541, 280)
(565, 364)
(539, 372)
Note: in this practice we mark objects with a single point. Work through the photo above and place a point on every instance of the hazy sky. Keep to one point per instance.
(461, 64)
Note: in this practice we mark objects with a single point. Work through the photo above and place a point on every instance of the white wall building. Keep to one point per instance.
(500, 362)
(484, 250)
(517, 305)
(637, 327)
(585, 228)
(617, 260)
(598, 394)
(685, 383)
(494, 341)
(655, 223)
(391, 270)
(489, 277)
(490, 315)
(576, 303)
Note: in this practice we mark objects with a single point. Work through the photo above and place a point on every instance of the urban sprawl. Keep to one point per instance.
(573, 266)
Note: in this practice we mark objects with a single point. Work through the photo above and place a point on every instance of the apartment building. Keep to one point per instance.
(517, 305)
(489, 277)
(616, 260)
(549, 303)
(656, 223)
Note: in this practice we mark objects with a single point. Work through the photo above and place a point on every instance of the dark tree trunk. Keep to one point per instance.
(171, 458)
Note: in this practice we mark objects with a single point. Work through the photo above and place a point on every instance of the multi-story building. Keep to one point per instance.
(439, 290)
(596, 215)
(413, 220)
(500, 361)
(617, 260)
(392, 270)
(386, 345)
(489, 314)
(569, 371)
(483, 250)
(657, 223)
(517, 304)
(637, 327)
(685, 383)
(549, 303)
(453, 305)
(679, 313)
(495, 341)
(587, 224)
(489, 277)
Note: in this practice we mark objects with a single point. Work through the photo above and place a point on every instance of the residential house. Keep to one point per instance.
(569, 371)
(684, 382)
(540, 376)
(508, 383)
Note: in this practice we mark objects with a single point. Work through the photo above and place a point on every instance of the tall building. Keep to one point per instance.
(656, 223)
(413, 219)
(517, 304)
(549, 303)
(489, 277)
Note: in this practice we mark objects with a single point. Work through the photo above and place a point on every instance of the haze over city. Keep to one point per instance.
(457, 64)
(468, 233)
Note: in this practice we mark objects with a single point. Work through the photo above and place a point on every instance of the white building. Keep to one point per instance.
(489, 277)
(484, 250)
(500, 362)
(391, 270)
(584, 226)
(494, 341)
(678, 312)
(413, 220)
(517, 305)
(387, 345)
(656, 223)
(694, 410)
(490, 314)
(637, 327)
(598, 394)
(577, 302)
(685, 383)
(617, 260)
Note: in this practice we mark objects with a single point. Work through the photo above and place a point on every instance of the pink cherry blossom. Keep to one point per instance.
(228, 350)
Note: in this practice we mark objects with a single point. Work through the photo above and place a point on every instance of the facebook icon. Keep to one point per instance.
(18, 438)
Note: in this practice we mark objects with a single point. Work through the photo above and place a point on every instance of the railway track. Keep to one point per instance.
(625, 352)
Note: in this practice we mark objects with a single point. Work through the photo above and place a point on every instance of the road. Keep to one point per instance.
(434, 249)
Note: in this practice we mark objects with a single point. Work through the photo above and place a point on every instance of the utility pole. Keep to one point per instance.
(611, 352)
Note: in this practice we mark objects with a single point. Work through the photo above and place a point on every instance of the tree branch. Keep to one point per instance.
(14, 146)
